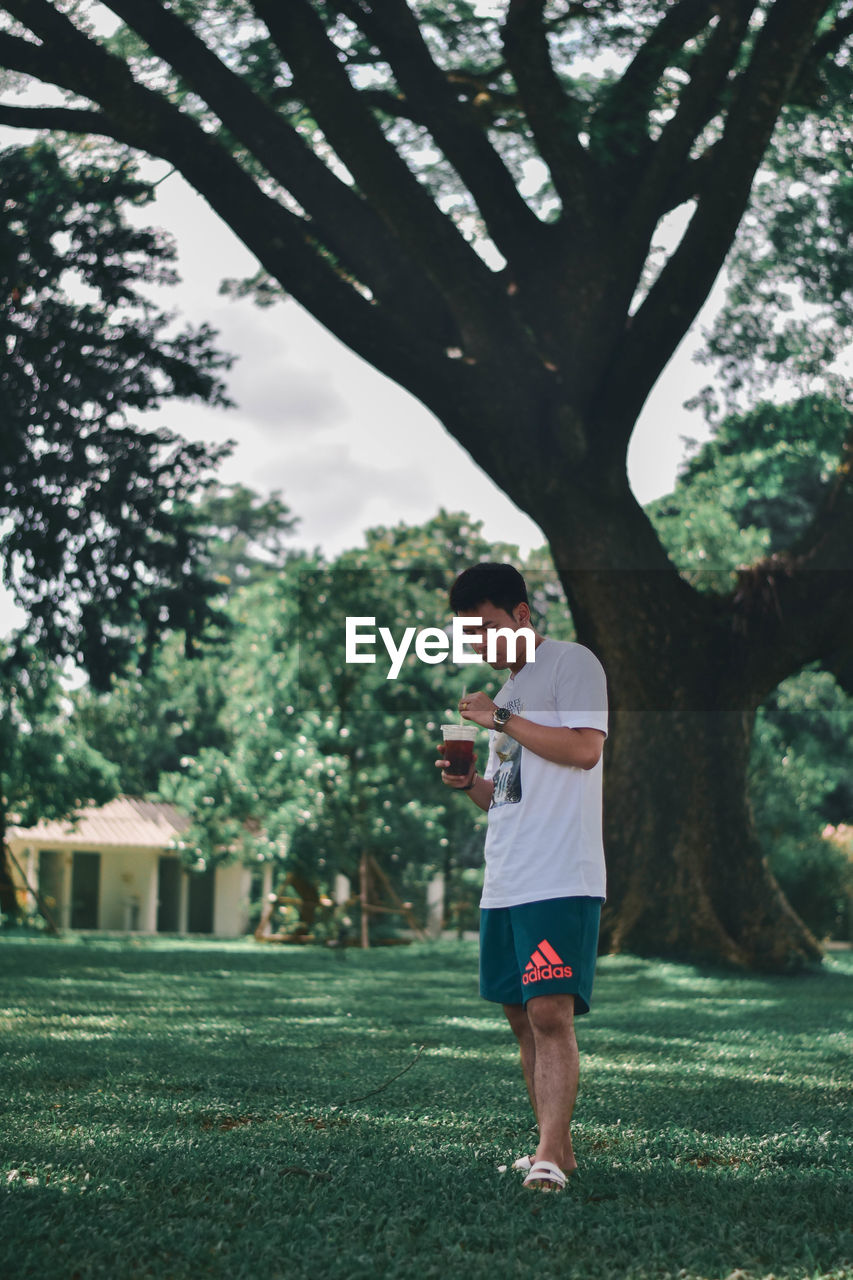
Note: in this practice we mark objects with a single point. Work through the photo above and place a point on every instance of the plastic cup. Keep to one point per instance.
(459, 748)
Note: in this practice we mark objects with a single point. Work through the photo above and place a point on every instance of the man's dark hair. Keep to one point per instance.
(500, 584)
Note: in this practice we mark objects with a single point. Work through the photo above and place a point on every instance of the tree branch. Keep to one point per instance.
(619, 127)
(395, 31)
(551, 113)
(283, 243)
(62, 120)
(831, 41)
(380, 173)
(29, 58)
(796, 607)
(343, 221)
(809, 87)
(488, 107)
(699, 102)
(691, 182)
(673, 302)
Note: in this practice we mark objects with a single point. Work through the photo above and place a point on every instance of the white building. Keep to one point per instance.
(113, 869)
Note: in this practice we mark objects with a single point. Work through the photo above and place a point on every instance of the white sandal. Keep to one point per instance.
(545, 1176)
(525, 1163)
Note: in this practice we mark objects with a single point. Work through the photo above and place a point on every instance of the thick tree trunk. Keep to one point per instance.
(687, 877)
(686, 873)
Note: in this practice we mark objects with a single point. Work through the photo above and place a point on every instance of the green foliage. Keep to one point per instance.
(753, 489)
(282, 751)
(148, 723)
(326, 759)
(246, 535)
(243, 791)
(788, 314)
(48, 768)
(771, 465)
(96, 544)
(801, 779)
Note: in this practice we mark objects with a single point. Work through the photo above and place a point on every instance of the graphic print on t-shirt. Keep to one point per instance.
(507, 776)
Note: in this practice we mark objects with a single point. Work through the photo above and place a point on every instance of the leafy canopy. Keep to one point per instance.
(752, 490)
(97, 544)
(48, 768)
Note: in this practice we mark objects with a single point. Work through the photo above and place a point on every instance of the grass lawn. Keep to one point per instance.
(182, 1109)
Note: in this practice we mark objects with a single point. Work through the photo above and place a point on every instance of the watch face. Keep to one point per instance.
(502, 714)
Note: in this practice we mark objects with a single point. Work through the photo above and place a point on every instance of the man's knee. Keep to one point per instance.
(516, 1016)
(551, 1015)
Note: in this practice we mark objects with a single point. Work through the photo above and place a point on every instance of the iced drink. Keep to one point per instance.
(459, 748)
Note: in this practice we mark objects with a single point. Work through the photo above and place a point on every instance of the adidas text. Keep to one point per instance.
(545, 972)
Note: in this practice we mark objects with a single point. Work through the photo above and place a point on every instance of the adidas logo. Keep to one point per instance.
(544, 964)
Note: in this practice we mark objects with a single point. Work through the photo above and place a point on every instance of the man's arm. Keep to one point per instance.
(579, 748)
(481, 791)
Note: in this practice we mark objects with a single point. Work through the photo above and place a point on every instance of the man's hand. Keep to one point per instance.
(479, 708)
(459, 781)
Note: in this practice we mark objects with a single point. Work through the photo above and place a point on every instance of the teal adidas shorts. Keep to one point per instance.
(539, 949)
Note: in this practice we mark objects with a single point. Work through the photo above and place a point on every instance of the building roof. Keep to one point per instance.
(125, 821)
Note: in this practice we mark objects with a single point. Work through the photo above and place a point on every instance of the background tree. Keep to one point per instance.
(147, 723)
(752, 489)
(47, 768)
(372, 158)
(97, 543)
(246, 535)
(281, 752)
(326, 761)
(801, 783)
(96, 536)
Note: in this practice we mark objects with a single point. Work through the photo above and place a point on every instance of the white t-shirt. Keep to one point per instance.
(544, 838)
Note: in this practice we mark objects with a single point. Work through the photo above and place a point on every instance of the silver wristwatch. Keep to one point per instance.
(501, 715)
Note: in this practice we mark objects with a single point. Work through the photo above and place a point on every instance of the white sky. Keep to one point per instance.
(347, 448)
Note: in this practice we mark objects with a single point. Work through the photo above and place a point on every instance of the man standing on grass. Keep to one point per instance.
(545, 878)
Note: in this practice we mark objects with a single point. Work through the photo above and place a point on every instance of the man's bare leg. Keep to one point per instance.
(555, 1075)
(540, 1077)
(516, 1016)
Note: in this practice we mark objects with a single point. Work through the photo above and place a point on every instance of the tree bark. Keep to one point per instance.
(687, 875)
(9, 907)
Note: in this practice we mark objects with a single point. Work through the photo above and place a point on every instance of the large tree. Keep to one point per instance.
(373, 157)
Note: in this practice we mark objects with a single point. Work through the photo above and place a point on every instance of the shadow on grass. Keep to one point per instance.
(181, 1110)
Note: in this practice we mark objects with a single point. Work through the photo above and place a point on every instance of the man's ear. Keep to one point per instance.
(521, 613)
